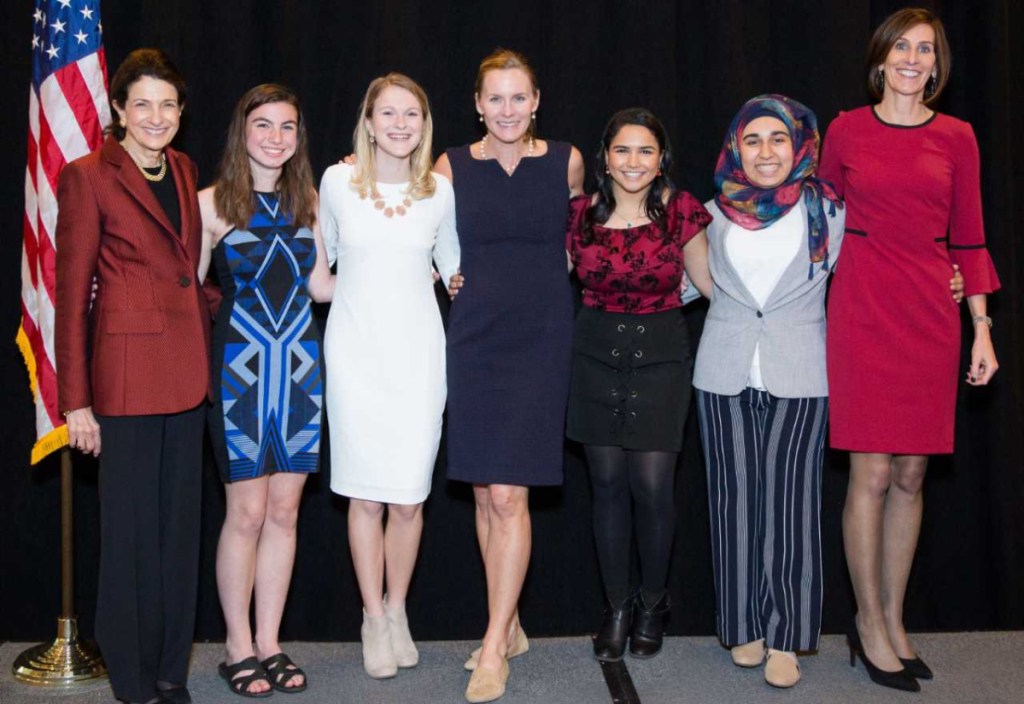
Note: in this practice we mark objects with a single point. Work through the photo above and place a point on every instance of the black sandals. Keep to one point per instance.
(240, 684)
(281, 671)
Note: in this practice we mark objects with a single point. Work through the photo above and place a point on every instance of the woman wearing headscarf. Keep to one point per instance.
(761, 380)
(762, 389)
(911, 179)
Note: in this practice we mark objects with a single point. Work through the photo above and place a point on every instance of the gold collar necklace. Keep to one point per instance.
(159, 175)
(519, 157)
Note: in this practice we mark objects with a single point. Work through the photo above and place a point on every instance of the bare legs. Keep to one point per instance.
(503, 530)
(881, 524)
(375, 547)
(257, 550)
(902, 523)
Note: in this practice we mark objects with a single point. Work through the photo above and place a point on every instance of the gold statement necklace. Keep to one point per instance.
(159, 175)
(510, 169)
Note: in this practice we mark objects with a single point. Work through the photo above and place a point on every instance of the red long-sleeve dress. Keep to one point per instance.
(913, 196)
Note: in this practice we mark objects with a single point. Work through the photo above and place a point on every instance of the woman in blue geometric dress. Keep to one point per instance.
(259, 228)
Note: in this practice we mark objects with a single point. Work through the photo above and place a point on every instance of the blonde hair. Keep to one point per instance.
(502, 60)
(421, 161)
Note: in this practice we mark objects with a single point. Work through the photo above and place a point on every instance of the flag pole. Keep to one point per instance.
(65, 661)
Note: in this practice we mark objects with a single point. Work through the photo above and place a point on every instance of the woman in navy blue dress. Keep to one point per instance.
(509, 337)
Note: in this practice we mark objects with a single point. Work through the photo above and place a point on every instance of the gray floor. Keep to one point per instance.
(972, 668)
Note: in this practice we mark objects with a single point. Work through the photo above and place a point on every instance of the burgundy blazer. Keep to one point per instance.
(144, 347)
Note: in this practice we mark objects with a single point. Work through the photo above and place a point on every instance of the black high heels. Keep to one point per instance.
(610, 641)
(900, 679)
(917, 668)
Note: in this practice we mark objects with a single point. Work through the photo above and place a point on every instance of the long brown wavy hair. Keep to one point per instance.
(232, 195)
(421, 161)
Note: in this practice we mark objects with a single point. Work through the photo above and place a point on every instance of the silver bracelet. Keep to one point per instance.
(982, 319)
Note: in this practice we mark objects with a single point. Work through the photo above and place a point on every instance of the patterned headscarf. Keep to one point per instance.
(753, 207)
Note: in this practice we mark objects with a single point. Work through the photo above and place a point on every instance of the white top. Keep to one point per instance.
(760, 257)
(445, 251)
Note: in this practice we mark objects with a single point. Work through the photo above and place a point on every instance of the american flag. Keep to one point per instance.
(67, 111)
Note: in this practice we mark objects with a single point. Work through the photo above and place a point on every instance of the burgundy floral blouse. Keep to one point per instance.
(635, 270)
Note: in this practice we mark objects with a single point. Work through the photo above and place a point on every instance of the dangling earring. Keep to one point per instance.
(880, 80)
(481, 118)
(373, 140)
(930, 86)
(533, 115)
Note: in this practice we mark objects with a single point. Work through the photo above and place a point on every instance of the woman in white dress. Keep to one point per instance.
(383, 219)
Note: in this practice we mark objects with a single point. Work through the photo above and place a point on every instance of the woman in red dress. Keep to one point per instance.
(910, 178)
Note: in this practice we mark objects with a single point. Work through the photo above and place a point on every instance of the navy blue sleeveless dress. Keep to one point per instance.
(510, 328)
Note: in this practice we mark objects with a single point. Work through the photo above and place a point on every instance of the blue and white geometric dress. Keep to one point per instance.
(268, 383)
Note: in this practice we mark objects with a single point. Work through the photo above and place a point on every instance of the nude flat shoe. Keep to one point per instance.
(749, 654)
(781, 669)
(518, 645)
(487, 684)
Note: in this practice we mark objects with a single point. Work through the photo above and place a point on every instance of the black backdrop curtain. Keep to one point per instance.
(693, 64)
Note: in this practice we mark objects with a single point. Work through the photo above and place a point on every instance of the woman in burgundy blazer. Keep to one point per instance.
(133, 372)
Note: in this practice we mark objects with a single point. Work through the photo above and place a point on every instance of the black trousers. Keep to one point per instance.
(150, 472)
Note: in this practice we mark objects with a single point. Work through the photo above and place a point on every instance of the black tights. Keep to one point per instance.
(632, 489)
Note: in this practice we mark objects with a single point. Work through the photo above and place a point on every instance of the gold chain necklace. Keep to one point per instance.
(511, 168)
(159, 175)
(389, 212)
(629, 223)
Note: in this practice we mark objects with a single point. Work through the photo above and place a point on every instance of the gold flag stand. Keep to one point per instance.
(66, 661)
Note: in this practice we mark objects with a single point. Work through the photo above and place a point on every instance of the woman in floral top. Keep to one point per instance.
(630, 393)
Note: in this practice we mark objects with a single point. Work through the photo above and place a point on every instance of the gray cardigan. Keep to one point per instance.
(790, 327)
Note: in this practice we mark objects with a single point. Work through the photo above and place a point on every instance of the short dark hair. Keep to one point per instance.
(886, 36)
(141, 62)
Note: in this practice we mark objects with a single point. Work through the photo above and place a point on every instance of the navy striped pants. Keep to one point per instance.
(764, 457)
